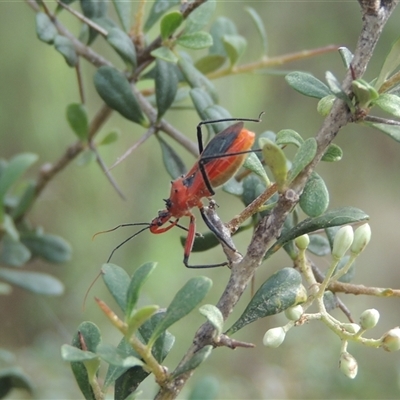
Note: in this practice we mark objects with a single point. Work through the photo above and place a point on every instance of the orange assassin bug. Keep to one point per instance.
(217, 163)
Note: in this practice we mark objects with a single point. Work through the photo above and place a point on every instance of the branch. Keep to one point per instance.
(270, 227)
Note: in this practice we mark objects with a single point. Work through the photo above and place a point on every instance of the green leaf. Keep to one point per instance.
(14, 378)
(187, 298)
(196, 40)
(138, 279)
(94, 8)
(205, 242)
(170, 23)
(347, 56)
(137, 318)
(210, 63)
(165, 341)
(258, 22)
(194, 361)
(319, 245)
(235, 46)
(89, 335)
(350, 274)
(115, 90)
(222, 26)
(117, 357)
(364, 92)
(305, 154)
(336, 217)
(200, 17)
(389, 103)
(325, 105)
(201, 100)
(9, 227)
(25, 200)
(164, 53)
(279, 292)
(78, 120)
(288, 136)
(276, 160)
(307, 84)
(114, 372)
(45, 29)
(391, 130)
(159, 7)
(16, 167)
(50, 247)
(123, 45)
(253, 163)
(332, 153)
(117, 282)
(196, 79)
(65, 46)
(123, 9)
(72, 354)
(216, 112)
(173, 163)
(13, 252)
(392, 61)
(111, 137)
(206, 387)
(315, 197)
(214, 316)
(35, 282)
(166, 84)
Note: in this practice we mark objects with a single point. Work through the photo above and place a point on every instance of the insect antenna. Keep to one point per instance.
(122, 226)
(128, 239)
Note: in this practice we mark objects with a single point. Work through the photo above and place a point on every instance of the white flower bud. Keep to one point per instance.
(274, 337)
(302, 242)
(362, 236)
(348, 365)
(369, 318)
(351, 328)
(391, 340)
(342, 242)
(294, 313)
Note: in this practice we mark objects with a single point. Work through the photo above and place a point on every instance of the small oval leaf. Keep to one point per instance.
(305, 154)
(78, 120)
(117, 282)
(123, 45)
(307, 84)
(315, 197)
(164, 53)
(173, 163)
(65, 46)
(196, 40)
(276, 160)
(170, 23)
(45, 29)
(319, 245)
(235, 46)
(389, 103)
(214, 316)
(115, 90)
(13, 252)
(187, 298)
(166, 83)
(193, 362)
(288, 136)
(332, 153)
(279, 292)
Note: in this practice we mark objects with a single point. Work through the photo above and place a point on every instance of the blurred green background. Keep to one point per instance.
(36, 86)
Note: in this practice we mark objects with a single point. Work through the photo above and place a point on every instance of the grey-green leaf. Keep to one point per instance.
(210, 63)
(235, 46)
(166, 83)
(13, 252)
(193, 362)
(335, 217)
(222, 26)
(392, 61)
(117, 282)
(123, 45)
(45, 29)
(279, 292)
(276, 160)
(195, 40)
(36, 282)
(319, 245)
(315, 197)
(164, 53)
(288, 136)
(78, 120)
(172, 161)
(14, 378)
(50, 247)
(65, 46)
(347, 56)
(214, 316)
(389, 103)
(391, 130)
(260, 28)
(16, 167)
(187, 298)
(117, 357)
(170, 23)
(138, 279)
(158, 8)
(332, 153)
(73, 354)
(200, 17)
(305, 154)
(123, 9)
(115, 90)
(307, 84)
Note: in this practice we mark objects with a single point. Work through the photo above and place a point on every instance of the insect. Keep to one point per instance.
(217, 163)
